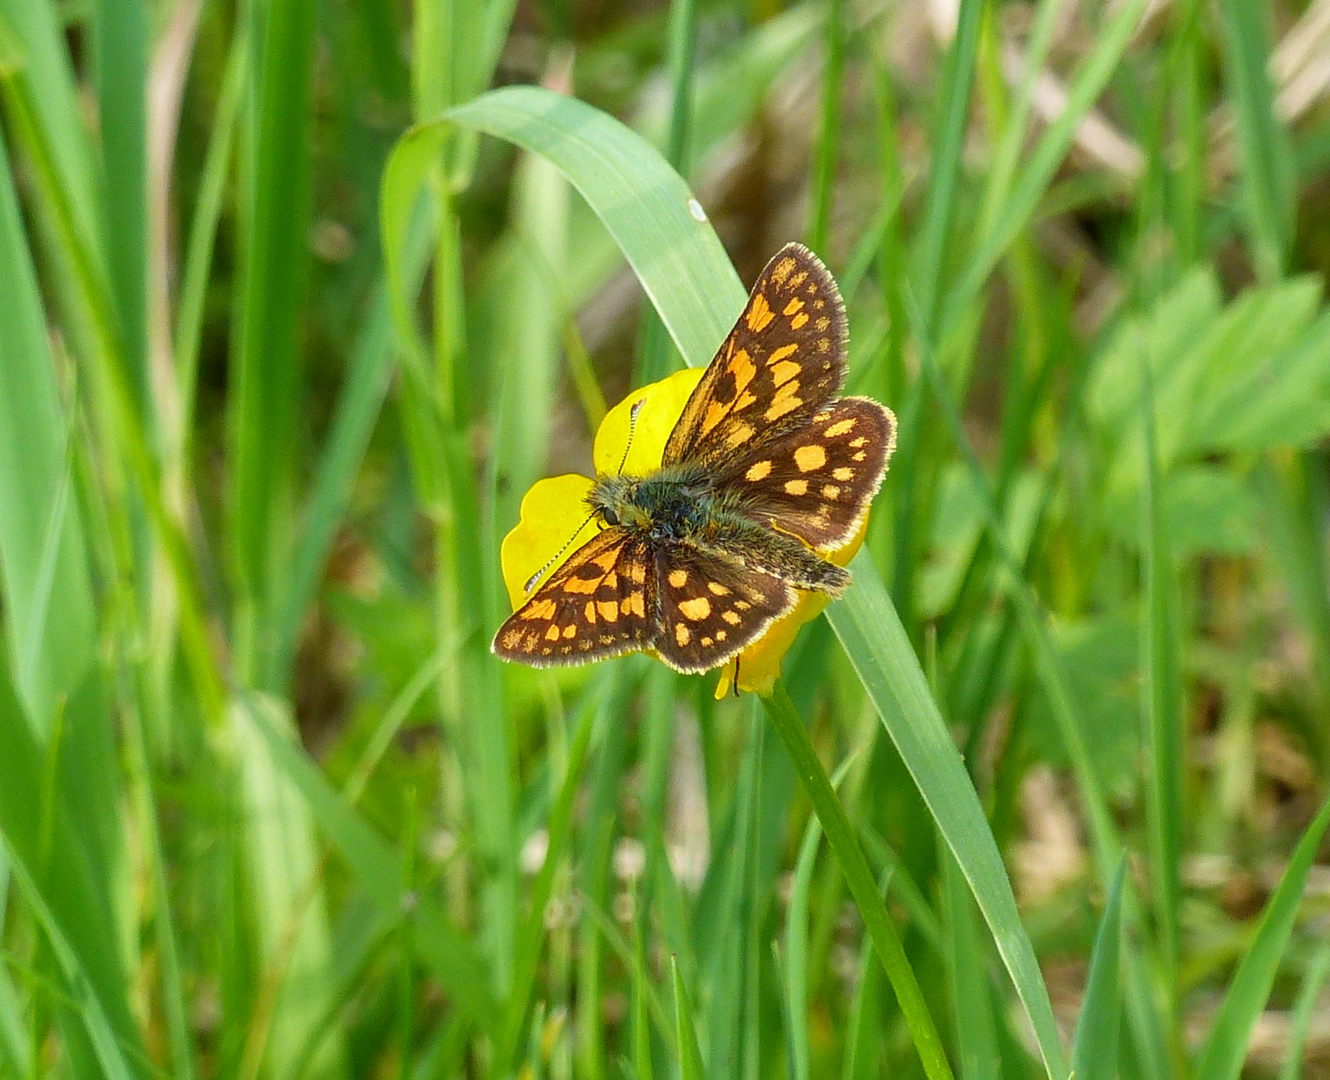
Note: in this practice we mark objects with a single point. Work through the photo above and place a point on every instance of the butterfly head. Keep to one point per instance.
(616, 500)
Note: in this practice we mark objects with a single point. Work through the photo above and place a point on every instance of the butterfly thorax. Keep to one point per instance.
(668, 505)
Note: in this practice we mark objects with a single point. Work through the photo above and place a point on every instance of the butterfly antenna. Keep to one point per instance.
(632, 424)
(534, 579)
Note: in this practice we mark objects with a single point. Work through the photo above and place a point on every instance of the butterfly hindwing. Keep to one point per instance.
(817, 481)
(600, 603)
(784, 359)
(712, 607)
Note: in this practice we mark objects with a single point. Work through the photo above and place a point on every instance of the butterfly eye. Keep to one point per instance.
(609, 516)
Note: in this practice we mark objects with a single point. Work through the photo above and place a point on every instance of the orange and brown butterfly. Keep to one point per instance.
(766, 470)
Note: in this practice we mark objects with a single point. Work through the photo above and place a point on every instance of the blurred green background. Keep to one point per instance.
(299, 297)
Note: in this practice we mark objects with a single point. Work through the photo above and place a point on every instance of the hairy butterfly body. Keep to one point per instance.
(765, 468)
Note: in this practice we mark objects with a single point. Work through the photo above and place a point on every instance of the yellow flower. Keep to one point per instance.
(554, 520)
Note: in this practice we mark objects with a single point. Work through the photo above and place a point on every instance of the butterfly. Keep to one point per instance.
(765, 468)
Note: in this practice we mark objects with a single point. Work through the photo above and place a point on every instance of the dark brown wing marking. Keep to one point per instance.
(600, 603)
(784, 359)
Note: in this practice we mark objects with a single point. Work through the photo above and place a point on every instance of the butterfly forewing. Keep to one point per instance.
(710, 607)
(816, 482)
(784, 359)
(600, 603)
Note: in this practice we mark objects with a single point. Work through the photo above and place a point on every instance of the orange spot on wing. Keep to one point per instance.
(785, 371)
(696, 609)
(743, 369)
(810, 457)
(759, 313)
(840, 427)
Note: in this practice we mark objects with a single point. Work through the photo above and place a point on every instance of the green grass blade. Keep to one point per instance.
(287, 902)
(796, 938)
(1263, 144)
(972, 1000)
(1094, 1050)
(953, 111)
(263, 416)
(1318, 971)
(1161, 693)
(685, 1035)
(880, 652)
(642, 201)
(197, 268)
(840, 836)
(120, 43)
(43, 565)
(1226, 1047)
(827, 151)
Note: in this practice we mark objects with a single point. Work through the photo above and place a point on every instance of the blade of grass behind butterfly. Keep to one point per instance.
(796, 939)
(1269, 199)
(1304, 1010)
(44, 572)
(120, 48)
(1161, 701)
(262, 409)
(654, 355)
(971, 994)
(685, 1033)
(679, 260)
(1094, 1050)
(940, 203)
(1230, 1034)
(827, 149)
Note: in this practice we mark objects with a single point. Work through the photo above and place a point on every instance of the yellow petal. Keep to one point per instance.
(759, 664)
(662, 405)
(551, 513)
